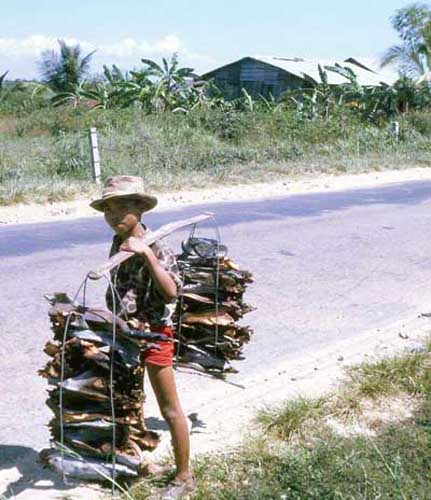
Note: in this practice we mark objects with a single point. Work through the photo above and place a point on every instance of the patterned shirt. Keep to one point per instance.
(140, 298)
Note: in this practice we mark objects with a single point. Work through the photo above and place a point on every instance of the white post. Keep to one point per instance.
(396, 130)
(95, 156)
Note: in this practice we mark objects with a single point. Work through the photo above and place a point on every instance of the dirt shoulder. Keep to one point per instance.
(31, 213)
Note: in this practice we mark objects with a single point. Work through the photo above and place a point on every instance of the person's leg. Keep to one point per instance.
(163, 383)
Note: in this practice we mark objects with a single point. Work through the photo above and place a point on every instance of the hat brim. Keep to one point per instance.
(146, 201)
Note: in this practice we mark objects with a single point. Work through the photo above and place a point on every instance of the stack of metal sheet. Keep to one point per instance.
(211, 305)
(88, 406)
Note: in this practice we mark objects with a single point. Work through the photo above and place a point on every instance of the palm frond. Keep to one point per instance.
(2, 78)
(407, 58)
(85, 61)
(392, 55)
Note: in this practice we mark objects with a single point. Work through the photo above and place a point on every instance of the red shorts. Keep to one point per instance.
(165, 356)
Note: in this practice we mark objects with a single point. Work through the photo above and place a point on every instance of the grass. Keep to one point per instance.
(44, 154)
(299, 453)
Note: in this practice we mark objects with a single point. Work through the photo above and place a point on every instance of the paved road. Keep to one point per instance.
(327, 266)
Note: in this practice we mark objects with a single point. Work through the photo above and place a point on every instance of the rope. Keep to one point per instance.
(114, 293)
(180, 318)
(117, 294)
(216, 294)
(111, 381)
(180, 322)
(217, 283)
(63, 351)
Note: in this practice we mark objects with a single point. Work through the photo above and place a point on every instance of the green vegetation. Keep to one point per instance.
(65, 71)
(335, 447)
(413, 54)
(44, 154)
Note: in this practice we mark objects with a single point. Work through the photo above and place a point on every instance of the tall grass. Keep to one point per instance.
(321, 463)
(299, 455)
(44, 154)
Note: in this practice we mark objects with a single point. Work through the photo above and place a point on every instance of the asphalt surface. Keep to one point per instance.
(327, 266)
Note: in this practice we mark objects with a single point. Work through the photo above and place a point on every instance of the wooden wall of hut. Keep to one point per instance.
(256, 77)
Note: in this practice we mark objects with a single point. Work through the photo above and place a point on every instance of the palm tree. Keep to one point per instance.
(64, 71)
(413, 54)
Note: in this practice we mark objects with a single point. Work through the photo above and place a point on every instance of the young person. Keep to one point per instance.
(148, 285)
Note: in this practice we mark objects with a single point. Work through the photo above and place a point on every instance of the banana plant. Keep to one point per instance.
(317, 94)
(100, 93)
(72, 97)
(128, 88)
(172, 86)
(248, 100)
(352, 86)
(115, 75)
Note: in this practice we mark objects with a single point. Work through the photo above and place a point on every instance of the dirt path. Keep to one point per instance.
(20, 213)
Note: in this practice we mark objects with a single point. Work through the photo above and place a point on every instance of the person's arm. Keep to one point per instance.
(163, 281)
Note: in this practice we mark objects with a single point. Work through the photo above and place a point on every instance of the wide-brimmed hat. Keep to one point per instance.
(127, 187)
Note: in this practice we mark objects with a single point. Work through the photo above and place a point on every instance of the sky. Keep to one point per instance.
(206, 34)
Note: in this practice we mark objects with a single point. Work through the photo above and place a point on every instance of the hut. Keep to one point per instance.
(271, 76)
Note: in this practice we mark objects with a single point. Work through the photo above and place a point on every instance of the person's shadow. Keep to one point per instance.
(26, 460)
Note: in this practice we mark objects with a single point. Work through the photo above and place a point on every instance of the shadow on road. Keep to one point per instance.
(156, 424)
(29, 238)
(31, 473)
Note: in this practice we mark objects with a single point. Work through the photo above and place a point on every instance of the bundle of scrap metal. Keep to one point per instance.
(85, 411)
(208, 331)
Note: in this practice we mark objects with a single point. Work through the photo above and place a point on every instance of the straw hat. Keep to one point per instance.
(126, 187)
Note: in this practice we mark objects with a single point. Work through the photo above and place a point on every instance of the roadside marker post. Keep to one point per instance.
(396, 130)
(95, 156)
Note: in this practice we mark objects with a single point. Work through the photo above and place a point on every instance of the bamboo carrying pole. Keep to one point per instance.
(162, 232)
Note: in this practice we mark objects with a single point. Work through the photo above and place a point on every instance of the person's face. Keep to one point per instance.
(122, 215)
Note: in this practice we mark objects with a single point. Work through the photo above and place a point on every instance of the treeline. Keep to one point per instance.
(168, 87)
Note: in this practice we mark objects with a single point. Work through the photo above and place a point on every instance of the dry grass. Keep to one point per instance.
(44, 155)
(371, 439)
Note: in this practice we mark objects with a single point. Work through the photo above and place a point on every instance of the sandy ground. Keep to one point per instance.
(296, 185)
(228, 411)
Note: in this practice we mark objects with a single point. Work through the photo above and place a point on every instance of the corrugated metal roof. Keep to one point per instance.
(300, 67)
(309, 67)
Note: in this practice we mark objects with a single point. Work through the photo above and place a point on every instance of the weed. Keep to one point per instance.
(49, 148)
(299, 456)
(291, 418)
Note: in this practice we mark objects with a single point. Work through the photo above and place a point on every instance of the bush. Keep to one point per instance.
(421, 122)
(199, 148)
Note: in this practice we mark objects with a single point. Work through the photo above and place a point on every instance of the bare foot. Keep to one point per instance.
(152, 469)
(178, 488)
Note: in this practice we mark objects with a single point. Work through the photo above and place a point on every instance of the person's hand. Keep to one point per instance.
(135, 245)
